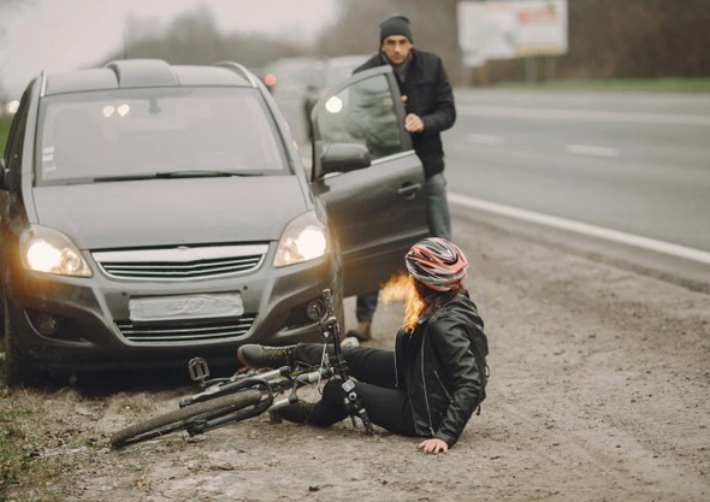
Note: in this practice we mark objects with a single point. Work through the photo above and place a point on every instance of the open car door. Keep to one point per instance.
(376, 205)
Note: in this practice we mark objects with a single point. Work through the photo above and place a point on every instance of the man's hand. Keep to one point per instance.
(412, 123)
(433, 446)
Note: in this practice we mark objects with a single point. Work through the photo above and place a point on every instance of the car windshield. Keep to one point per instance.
(158, 132)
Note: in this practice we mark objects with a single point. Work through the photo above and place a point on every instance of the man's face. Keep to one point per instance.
(396, 48)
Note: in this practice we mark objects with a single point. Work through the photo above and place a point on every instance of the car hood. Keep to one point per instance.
(162, 212)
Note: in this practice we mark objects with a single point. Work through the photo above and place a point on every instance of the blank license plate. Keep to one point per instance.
(167, 308)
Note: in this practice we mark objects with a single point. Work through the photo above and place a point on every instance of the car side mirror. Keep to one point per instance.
(344, 157)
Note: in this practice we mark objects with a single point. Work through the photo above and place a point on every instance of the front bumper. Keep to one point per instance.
(93, 315)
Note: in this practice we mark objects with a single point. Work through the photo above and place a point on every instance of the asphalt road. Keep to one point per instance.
(634, 167)
(636, 163)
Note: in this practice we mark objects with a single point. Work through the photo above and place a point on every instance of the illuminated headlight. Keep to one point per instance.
(45, 250)
(303, 239)
(334, 105)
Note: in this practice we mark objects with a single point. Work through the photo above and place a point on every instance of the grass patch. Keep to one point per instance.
(23, 439)
(5, 121)
(692, 85)
(14, 463)
(16, 448)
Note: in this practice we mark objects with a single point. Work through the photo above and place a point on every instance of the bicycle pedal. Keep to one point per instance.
(199, 370)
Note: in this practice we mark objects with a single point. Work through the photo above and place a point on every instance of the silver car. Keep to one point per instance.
(151, 213)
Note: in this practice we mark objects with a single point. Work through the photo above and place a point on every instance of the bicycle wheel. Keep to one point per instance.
(182, 418)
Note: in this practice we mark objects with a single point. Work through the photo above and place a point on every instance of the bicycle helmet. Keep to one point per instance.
(437, 263)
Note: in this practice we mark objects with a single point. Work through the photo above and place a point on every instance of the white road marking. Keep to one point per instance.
(582, 228)
(484, 139)
(582, 115)
(595, 151)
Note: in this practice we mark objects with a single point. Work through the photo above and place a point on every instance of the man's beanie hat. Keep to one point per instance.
(396, 24)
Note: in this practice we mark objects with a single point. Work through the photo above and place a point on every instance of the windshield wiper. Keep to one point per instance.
(196, 173)
(179, 174)
(125, 178)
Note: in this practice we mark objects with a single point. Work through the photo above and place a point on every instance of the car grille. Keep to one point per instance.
(181, 263)
(200, 331)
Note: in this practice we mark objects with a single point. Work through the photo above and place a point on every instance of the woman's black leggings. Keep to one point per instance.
(374, 370)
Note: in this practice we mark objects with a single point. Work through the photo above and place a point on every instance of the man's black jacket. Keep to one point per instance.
(429, 96)
(441, 366)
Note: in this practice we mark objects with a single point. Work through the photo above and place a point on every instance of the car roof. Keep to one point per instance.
(137, 73)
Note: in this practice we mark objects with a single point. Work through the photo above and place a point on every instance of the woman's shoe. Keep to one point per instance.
(299, 412)
(264, 356)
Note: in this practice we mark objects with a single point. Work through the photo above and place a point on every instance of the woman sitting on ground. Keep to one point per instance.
(435, 378)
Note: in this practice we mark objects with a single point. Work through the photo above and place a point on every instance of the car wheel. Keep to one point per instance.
(18, 368)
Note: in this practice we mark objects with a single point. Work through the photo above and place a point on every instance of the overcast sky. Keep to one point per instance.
(60, 35)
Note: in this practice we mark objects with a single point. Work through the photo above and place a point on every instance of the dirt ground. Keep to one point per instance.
(599, 392)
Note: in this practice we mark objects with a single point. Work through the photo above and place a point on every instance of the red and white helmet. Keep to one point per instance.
(437, 263)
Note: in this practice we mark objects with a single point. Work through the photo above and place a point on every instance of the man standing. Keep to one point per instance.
(429, 104)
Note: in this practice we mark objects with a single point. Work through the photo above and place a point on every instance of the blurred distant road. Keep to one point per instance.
(623, 174)
(635, 165)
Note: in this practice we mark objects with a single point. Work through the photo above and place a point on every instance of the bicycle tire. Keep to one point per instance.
(181, 419)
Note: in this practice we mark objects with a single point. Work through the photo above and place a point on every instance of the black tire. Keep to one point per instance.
(18, 367)
(182, 418)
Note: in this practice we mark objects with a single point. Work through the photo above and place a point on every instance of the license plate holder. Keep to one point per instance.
(185, 307)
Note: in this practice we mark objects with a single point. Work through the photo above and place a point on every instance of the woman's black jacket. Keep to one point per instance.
(441, 367)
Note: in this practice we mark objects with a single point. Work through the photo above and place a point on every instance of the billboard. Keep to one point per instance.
(507, 29)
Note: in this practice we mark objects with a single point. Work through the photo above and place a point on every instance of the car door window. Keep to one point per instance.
(377, 213)
(365, 112)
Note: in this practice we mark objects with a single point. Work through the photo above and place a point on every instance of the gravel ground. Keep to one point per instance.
(599, 388)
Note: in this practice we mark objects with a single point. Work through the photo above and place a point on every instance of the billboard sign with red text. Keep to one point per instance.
(507, 29)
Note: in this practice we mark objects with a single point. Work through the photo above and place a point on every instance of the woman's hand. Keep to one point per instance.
(433, 446)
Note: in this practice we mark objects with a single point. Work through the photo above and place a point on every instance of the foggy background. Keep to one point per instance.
(607, 38)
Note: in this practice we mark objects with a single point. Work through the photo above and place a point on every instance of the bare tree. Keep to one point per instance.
(193, 38)
(633, 38)
(434, 28)
(607, 38)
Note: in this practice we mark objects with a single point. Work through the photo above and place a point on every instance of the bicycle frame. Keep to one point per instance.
(251, 393)
(273, 383)
(280, 380)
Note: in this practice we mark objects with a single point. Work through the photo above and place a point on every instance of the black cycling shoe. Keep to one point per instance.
(299, 412)
(263, 356)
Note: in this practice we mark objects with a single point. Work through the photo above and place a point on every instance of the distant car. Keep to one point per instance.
(288, 77)
(328, 73)
(155, 213)
(262, 74)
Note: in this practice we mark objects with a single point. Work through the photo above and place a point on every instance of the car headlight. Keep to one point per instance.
(46, 250)
(303, 239)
